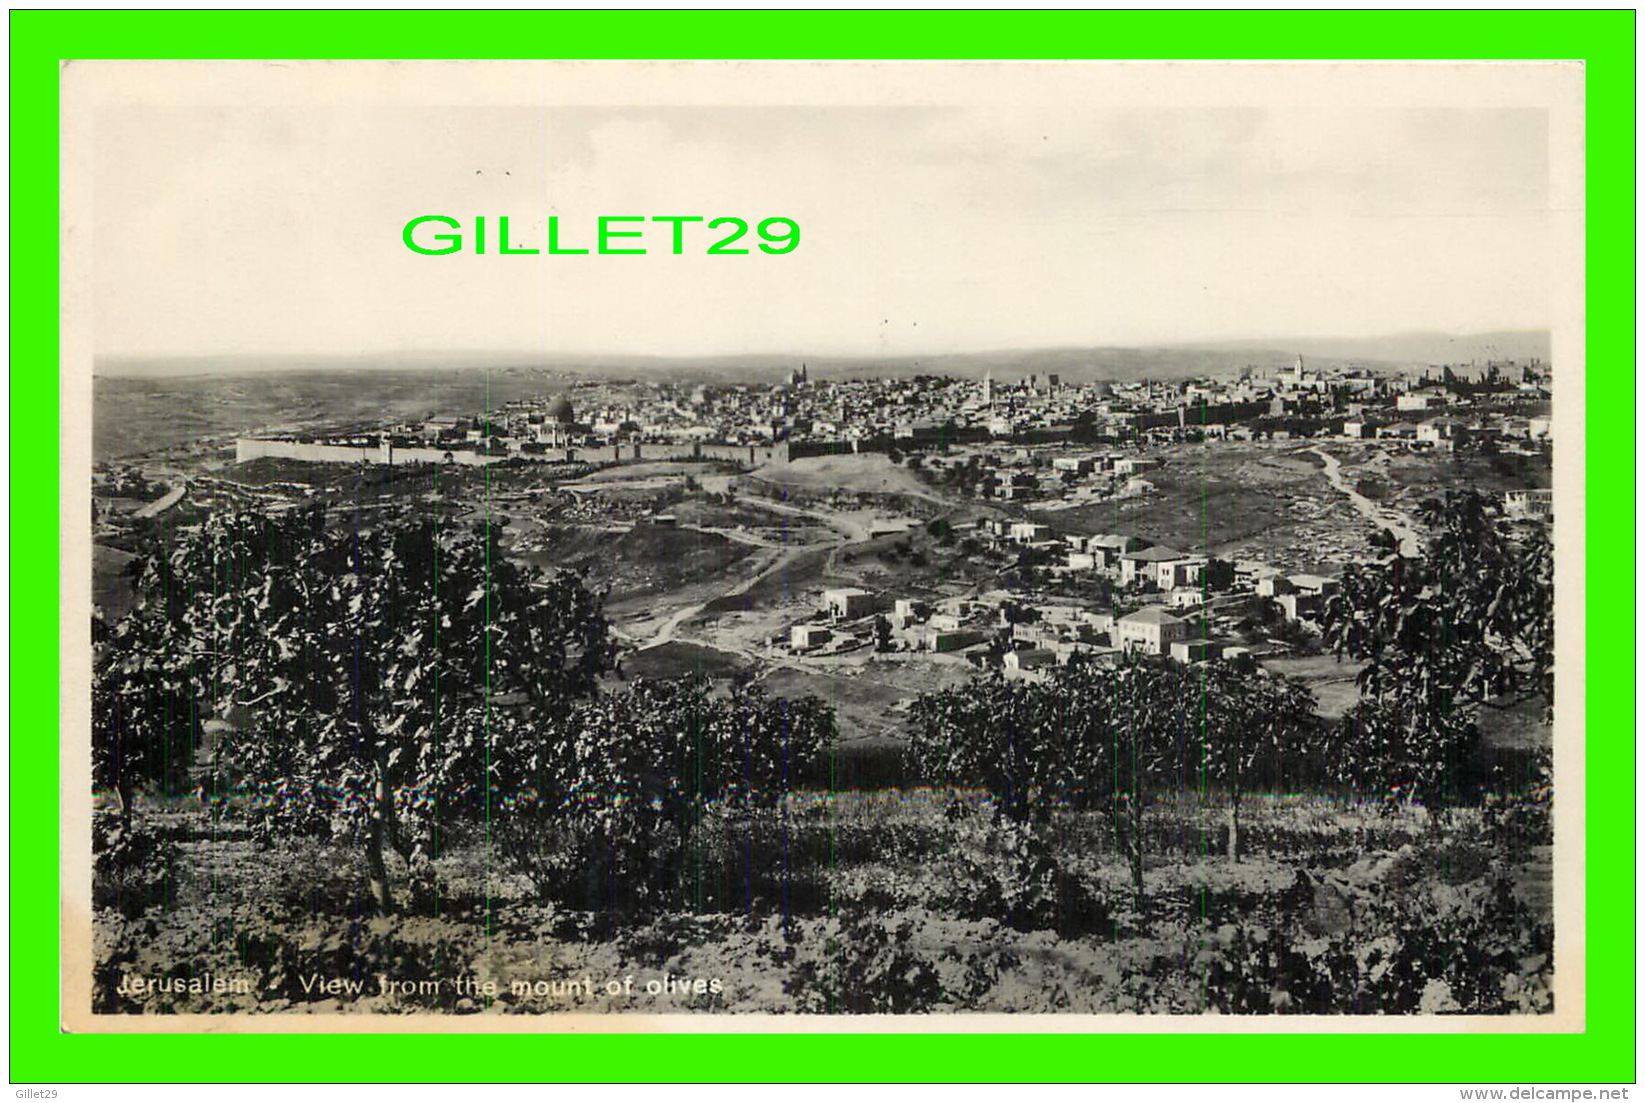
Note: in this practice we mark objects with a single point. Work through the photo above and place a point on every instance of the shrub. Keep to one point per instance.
(603, 806)
(133, 865)
(863, 964)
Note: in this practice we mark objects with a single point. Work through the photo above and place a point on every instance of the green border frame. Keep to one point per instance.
(1605, 1053)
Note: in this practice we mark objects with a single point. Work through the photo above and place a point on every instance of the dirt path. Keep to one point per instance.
(851, 531)
(848, 530)
(665, 632)
(1409, 544)
(173, 496)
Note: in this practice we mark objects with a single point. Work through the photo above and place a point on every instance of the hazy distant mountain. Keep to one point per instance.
(146, 404)
(1414, 349)
(1072, 365)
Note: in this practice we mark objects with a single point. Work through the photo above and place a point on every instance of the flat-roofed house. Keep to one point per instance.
(1033, 665)
(1186, 597)
(1317, 584)
(1300, 606)
(913, 609)
(1195, 651)
(848, 603)
(1274, 585)
(804, 637)
(1138, 565)
(1096, 624)
(1034, 635)
(939, 640)
(1189, 571)
(1029, 532)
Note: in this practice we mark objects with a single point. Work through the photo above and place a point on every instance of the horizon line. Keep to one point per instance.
(1279, 344)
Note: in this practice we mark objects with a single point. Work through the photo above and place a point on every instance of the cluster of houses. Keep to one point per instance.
(1171, 604)
(1016, 474)
(1451, 434)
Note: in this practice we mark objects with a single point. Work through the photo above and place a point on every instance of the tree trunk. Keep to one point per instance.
(1233, 826)
(1133, 854)
(381, 834)
(124, 791)
(1434, 817)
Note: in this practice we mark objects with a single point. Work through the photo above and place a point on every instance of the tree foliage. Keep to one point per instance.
(358, 662)
(1470, 619)
(145, 723)
(600, 803)
(1253, 724)
(1104, 738)
(1474, 612)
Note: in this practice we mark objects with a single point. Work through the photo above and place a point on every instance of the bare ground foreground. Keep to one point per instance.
(864, 902)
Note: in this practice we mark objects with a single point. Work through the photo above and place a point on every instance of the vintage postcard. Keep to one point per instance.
(811, 546)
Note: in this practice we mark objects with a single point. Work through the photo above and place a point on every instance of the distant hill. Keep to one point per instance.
(140, 405)
(1073, 365)
(1414, 349)
(136, 413)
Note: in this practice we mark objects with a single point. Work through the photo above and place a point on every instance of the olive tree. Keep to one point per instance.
(1470, 618)
(991, 733)
(145, 722)
(1093, 737)
(1247, 718)
(357, 662)
(612, 790)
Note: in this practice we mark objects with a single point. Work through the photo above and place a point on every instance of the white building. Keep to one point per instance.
(1032, 665)
(1529, 503)
(804, 637)
(914, 610)
(1029, 532)
(1187, 597)
(1138, 565)
(848, 603)
(1193, 651)
(1151, 630)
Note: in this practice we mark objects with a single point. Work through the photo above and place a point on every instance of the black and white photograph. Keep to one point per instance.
(998, 544)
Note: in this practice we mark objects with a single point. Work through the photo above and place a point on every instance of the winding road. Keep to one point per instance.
(172, 497)
(1409, 544)
(849, 530)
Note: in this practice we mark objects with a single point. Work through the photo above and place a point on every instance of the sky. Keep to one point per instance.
(275, 227)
